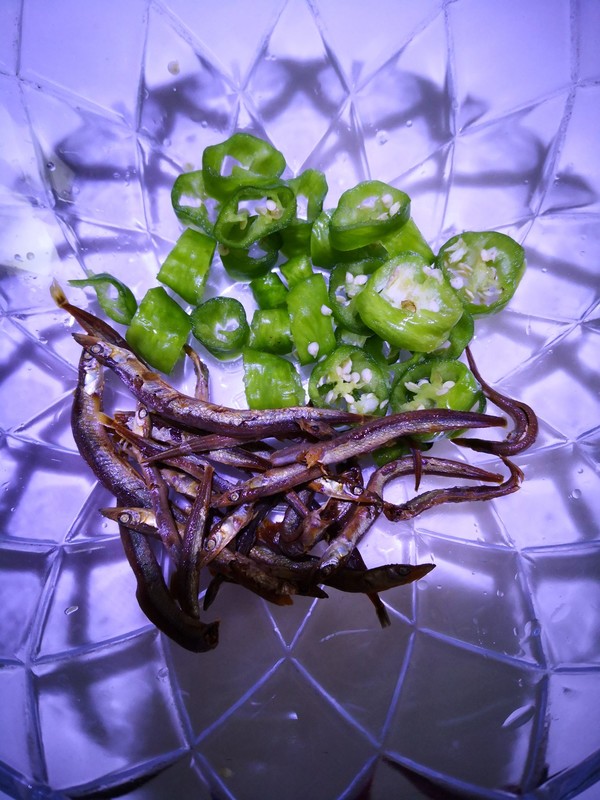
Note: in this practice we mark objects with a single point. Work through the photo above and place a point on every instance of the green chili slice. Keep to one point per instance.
(322, 252)
(257, 260)
(271, 381)
(345, 283)
(460, 336)
(407, 237)
(192, 203)
(311, 320)
(408, 303)
(269, 291)
(159, 329)
(220, 324)
(351, 380)
(186, 268)
(484, 268)
(270, 331)
(296, 269)
(436, 383)
(242, 160)
(115, 299)
(366, 213)
(254, 212)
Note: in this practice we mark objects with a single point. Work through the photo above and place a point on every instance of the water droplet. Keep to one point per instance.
(409, 123)
(532, 628)
(575, 494)
(519, 717)
(381, 137)
(499, 593)
(51, 166)
(71, 610)
(163, 673)
(30, 256)
(173, 67)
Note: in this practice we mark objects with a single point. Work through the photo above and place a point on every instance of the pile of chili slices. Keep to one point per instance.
(352, 303)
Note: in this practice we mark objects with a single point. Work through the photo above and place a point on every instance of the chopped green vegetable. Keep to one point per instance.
(408, 303)
(460, 336)
(242, 160)
(296, 269)
(220, 324)
(407, 238)
(159, 329)
(484, 268)
(310, 188)
(254, 212)
(349, 379)
(270, 331)
(322, 252)
(269, 291)
(342, 336)
(311, 320)
(186, 268)
(257, 260)
(119, 307)
(436, 383)
(366, 213)
(192, 203)
(345, 283)
(271, 381)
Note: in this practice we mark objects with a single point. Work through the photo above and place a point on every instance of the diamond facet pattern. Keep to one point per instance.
(487, 683)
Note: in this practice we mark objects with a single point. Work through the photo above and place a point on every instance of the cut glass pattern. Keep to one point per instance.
(487, 683)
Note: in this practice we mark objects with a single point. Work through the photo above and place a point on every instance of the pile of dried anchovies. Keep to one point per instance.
(170, 462)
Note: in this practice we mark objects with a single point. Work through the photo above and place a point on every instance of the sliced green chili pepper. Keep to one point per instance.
(460, 336)
(186, 268)
(342, 336)
(345, 283)
(120, 307)
(322, 252)
(391, 452)
(241, 160)
(310, 188)
(257, 260)
(366, 213)
(254, 212)
(220, 324)
(436, 383)
(271, 381)
(383, 352)
(270, 331)
(407, 237)
(351, 380)
(192, 203)
(484, 268)
(311, 320)
(296, 269)
(159, 329)
(408, 303)
(269, 291)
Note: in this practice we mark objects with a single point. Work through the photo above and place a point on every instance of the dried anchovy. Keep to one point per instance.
(161, 464)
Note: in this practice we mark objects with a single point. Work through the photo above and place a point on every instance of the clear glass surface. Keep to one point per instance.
(487, 684)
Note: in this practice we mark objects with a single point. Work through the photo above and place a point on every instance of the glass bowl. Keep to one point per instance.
(487, 683)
